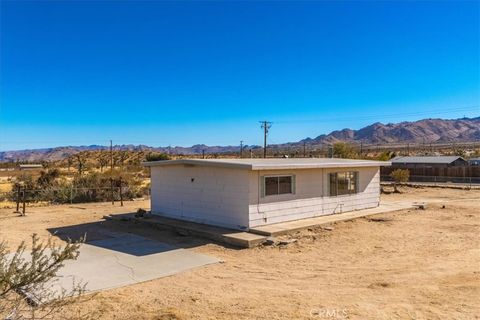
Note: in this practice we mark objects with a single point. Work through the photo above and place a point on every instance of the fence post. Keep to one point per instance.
(18, 199)
(23, 199)
(121, 193)
(71, 194)
(111, 191)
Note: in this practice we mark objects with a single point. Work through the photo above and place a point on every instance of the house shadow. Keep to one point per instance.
(125, 235)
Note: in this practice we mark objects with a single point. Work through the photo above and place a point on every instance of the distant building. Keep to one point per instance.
(474, 161)
(24, 167)
(409, 162)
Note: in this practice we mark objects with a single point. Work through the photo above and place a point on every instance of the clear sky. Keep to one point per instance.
(182, 73)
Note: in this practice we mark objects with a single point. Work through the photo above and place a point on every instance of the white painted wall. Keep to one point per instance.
(231, 197)
(217, 196)
(311, 196)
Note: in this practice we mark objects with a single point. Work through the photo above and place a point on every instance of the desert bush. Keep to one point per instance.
(344, 150)
(24, 281)
(399, 176)
(386, 155)
(156, 156)
(47, 177)
(87, 187)
(60, 192)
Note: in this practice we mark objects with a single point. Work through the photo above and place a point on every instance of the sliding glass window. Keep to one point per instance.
(278, 185)
(342, 183)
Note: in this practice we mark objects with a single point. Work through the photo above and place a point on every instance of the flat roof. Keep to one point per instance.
(426, 159)
(29, 166)
(272, 164)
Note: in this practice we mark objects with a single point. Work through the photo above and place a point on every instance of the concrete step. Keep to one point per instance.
(223, 235)
(282, 228)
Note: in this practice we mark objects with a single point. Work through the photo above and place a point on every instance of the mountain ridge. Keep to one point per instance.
(421, 131)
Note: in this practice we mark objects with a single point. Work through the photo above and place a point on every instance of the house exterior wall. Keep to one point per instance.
(231, 197)
(311, 197)
(217, 196)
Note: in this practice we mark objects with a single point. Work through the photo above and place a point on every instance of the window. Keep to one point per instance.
(277, 185)
(343, 183)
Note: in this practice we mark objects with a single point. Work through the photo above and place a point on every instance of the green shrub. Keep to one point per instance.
(399, 176)
(344, 150)
(156, 156)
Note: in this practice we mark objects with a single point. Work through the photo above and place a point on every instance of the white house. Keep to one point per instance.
(247, 193)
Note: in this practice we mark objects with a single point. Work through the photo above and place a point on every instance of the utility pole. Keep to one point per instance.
(304, 149)
(203, 153)
(241, 148)
(111, 155)
(265, 126)
(330, 151)
(111, 173)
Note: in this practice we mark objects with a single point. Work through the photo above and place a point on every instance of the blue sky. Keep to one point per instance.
(182, 73)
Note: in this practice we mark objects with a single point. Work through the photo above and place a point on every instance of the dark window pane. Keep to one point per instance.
(285, 185)
(342, 183)
(333, 184)
(271, 186)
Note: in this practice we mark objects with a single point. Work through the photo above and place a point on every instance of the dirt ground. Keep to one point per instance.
(409, 264)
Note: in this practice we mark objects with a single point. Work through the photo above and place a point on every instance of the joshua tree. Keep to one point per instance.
(81, 161)
(103, 160)
(122, 156)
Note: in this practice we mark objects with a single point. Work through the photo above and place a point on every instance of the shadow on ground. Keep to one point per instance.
(102, 232)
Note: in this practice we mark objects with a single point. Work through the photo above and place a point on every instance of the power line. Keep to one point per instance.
(380, 116)
(111, 168)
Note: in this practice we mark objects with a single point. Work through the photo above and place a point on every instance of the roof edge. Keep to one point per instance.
(196, 162)
(258, 167)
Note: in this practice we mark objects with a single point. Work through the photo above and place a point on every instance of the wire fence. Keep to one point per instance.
(22, 196)
(436, 180)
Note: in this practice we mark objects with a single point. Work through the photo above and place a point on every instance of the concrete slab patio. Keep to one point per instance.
(122, 259)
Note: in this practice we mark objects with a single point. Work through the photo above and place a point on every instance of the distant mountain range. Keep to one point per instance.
(60, 153)
(422, 131)
(426, 130)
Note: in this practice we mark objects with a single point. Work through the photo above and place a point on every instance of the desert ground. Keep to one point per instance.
(409, 264)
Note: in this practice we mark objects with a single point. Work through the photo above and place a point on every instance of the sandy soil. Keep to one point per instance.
(5, 187)
(410, 264)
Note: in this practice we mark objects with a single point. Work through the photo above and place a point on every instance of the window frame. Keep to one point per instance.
(335, 174)
(263, 186)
